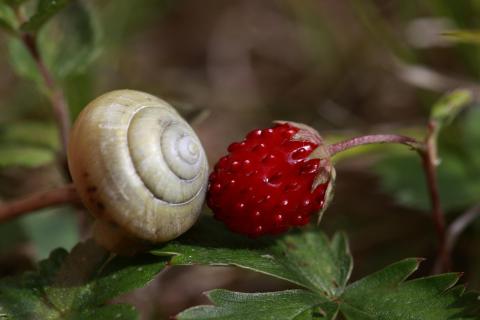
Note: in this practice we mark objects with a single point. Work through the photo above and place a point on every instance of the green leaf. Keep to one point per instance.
(306, 258)
(284, 305)
(470, 137)
(68, 45)
(15, 3)
(449, 106)
(32, 133)
(25, 156)
(115, 311)
(7, 18)
(458, 173)
(322, 268)
(403, 176)
(27, 144)
(385, 295)
(38, 226)
(22, 62)
(81, 283)
(72, 42)
(464, 36)
(78, 284)
(46, 9)
(79, 89)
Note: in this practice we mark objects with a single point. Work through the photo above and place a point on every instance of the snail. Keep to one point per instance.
(139, 168)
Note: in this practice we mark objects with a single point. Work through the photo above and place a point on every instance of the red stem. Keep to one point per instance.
(55, 94)
(428, 153)
(371, 139)
(36, 201)
(460, 224)
(430, 162)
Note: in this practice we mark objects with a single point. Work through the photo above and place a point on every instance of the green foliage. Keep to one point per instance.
(7, 18)
(11, 234)
(27, 144)
(38, 227)
(465, 36)
(449, 106)
(45, 11)
(284, 305)
(80, 285)
(306, 259)
(77, 39)
(390, 297)
(68, 45)
(76, 285)
(21, 61)
(30, 133)
(322, 268)
(402, 175)
(15, 3)
(26, 156)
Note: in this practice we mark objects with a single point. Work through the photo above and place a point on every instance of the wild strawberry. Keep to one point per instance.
(274, 179)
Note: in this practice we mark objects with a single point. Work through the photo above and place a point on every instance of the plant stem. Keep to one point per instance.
(430, 162)
(373, 139)
(54, 92)
(459, 225)
(428, 152)
(32, 202)
(453, 232)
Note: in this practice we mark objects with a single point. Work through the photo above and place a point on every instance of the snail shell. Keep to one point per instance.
(138, 167)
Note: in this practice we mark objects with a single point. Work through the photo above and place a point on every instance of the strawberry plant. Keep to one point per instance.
(265, 198)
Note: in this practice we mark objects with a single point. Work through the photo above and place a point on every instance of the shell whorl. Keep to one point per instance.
(137, 164)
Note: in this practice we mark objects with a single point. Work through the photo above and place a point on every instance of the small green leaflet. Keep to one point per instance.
(322, 268)
(449, 106)
(76, 285)
(27, 144)
(385, 295)
(463, 36)
(77, 37)
(283, 305)
(46, 9)
(24, 156)
(7, 18)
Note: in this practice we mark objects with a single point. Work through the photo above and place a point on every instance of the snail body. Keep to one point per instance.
(138, 167)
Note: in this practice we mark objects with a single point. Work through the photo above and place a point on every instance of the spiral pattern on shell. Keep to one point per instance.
(138, 165)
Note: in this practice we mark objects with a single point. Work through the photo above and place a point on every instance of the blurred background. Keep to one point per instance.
(344, 67)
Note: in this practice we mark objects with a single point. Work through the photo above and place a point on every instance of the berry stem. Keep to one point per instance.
(428, 153)
(374, 139)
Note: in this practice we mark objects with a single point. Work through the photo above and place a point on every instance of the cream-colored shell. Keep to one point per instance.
(138, 165)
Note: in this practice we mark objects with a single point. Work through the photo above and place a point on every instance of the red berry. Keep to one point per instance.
(274, 179)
